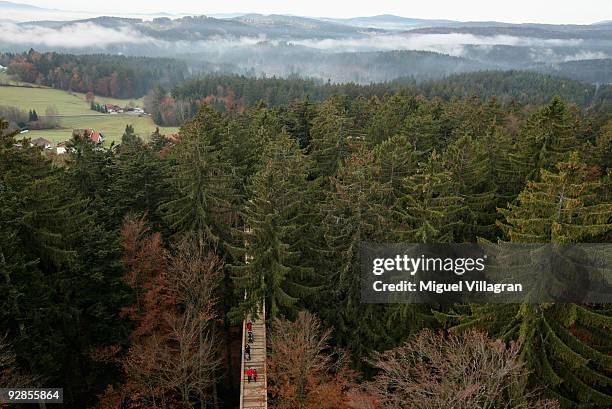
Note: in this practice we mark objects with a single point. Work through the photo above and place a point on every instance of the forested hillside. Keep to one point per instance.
(124, 269)
(238, 92)
(105, 75)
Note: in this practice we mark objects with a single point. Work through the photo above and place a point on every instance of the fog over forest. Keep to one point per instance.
(361, 50)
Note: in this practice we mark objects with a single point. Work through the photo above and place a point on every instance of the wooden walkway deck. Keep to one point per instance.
(254, 394)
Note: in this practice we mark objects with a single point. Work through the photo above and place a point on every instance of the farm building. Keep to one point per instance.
(111, 108)
(60, 148)
(44, 143)
(95, 136)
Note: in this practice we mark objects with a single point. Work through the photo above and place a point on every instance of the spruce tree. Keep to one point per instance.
(202, 180)
(566, 346)
(140, 181)
(472, 175)
(60, 273)
(394, 160)
(299, 121)
(157, 141)
(603, 147)
(90, 172)
(432, 205)
(352, 214)
(274, 223)
(330, 133)
(389, 118)
(424, 127)
(509, 179)
(546, 138)
(129, 136)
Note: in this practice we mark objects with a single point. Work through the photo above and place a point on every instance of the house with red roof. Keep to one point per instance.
(93, 135)
(96, 137)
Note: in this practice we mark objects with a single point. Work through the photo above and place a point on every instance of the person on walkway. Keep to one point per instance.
(247, 352)
(250, 325)
(249, 374)
(250, 336)
(255, 375)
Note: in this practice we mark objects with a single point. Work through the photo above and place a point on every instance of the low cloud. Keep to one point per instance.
(586, 55)
(452, 44)
(550, 55)
(89, 35)
(218, 44)
(71, 36)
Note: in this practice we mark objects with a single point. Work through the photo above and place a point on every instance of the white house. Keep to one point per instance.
(60, 148)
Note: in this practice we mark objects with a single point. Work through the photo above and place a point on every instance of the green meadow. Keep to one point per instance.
(75, 113)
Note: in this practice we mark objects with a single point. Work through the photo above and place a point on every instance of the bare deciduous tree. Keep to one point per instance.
(467, 371)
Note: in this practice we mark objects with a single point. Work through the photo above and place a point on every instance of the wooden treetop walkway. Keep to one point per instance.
(254, 394)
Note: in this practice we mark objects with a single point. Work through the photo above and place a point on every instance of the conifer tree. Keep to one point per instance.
(432, 205)
(560, 208)
(201, 178)
(90, 172)
(242, 147)
(129, 136)
(394, 160)
(546, 138)
(330, 133)
(59, 270)
(471, 172)
(565, 345)
(389, 118)
(603, 147)
(424, 127)
(352, 214)
(299, 121)
(274, 223)
(500, 147)
(157, 141)
(140, 181)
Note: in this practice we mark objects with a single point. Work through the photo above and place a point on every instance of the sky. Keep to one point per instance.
(515, 11)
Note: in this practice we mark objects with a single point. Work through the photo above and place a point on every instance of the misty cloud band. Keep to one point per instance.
(487, 273)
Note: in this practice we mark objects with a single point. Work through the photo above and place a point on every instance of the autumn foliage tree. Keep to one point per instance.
(172, 358)
(304, 371)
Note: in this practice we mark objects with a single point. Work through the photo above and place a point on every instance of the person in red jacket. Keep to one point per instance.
(249, 325)
(249, 374)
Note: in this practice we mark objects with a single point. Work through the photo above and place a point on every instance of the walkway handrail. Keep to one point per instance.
(265, 344)
(242, 360)
(259, 343)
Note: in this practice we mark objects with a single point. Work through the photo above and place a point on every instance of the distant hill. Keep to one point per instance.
(522, 86)
(390, 22)
(595, 71)
(527, 30)
(360, 49)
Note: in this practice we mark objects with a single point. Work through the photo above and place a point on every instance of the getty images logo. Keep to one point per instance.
(412, 265)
